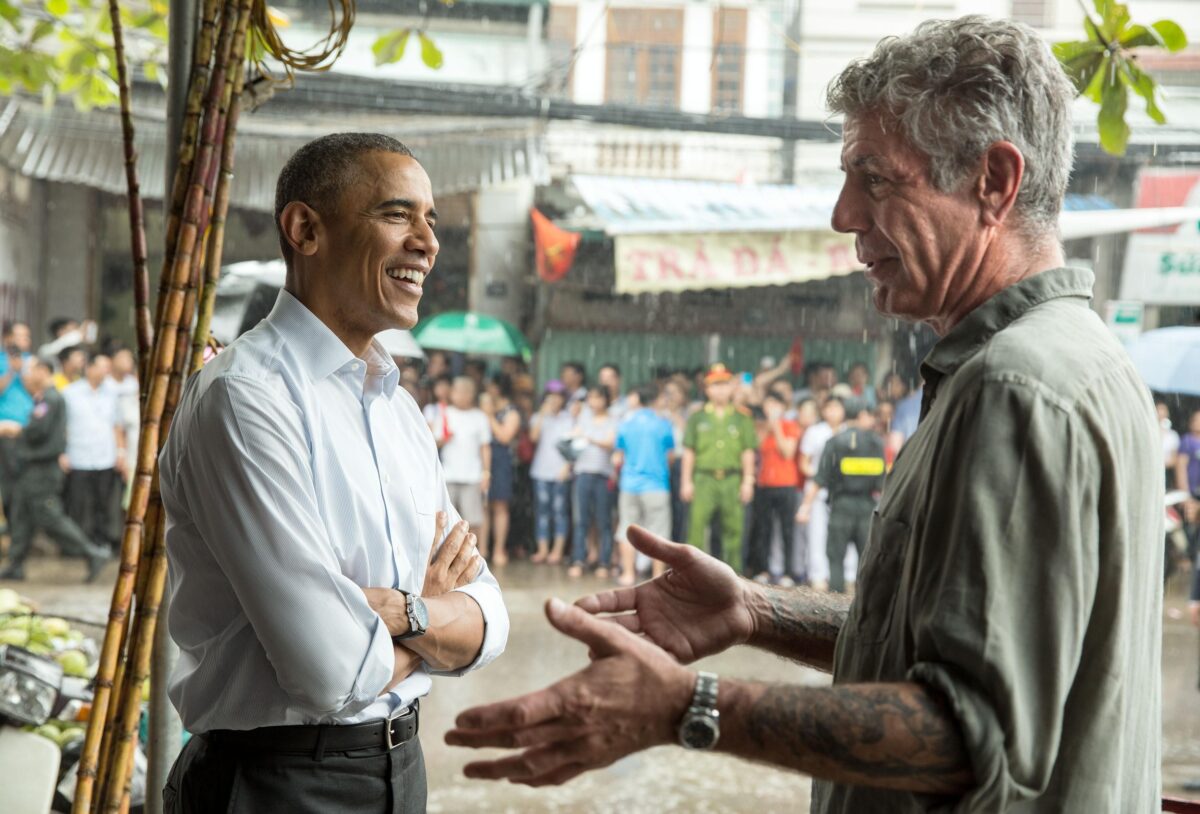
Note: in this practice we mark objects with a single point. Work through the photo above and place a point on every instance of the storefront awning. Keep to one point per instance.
(67, 146)
(681, 235)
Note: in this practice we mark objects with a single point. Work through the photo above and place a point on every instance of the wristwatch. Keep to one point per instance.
(701, 724)
(418, 617)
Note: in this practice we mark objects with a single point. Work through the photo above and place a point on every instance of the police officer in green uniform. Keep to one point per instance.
(37, 494)
(852, 469)
(717, 474)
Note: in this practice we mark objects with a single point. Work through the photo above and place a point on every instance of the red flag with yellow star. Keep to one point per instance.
(554, 248)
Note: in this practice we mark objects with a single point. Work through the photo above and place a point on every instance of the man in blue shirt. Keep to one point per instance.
(15, 402)
(645, 445)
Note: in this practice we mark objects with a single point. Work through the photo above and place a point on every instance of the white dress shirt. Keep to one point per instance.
(92, 421)
(294, 474)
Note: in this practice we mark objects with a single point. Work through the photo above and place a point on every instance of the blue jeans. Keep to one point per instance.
(551, 509)
(592, 504)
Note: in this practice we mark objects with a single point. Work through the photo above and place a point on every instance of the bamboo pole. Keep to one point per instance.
(202, 59)
(154, 386)
(137, 221)
(216, 238)
(170, 356)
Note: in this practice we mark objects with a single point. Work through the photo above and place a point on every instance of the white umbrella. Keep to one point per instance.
(400, 343)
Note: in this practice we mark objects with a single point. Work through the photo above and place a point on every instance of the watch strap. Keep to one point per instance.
(705, 696)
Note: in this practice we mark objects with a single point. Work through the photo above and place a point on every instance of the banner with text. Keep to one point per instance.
(688, 262)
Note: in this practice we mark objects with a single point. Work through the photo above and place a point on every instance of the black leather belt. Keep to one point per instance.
(318, 740)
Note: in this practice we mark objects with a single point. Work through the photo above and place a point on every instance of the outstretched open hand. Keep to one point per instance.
(629, 698)
(697, 608)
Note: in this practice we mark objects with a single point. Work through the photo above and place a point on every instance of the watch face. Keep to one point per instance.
(699, 732)
(421, 612)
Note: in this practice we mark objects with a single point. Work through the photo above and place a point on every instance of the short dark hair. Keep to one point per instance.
(58, 323)
(648, 393)
(320, 171)
(96, 355)
(504, 384)
(597, 390)
(66, 353)
(775, 395)
(42, 362)
(613, 367)
(578, 368)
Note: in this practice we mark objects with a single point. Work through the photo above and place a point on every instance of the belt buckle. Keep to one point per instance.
(391, 743)
(388, 733)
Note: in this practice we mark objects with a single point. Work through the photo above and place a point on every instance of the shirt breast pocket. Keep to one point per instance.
(426, 503)
(880, 575)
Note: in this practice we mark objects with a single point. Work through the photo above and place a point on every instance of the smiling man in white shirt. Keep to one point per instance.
(305, 499)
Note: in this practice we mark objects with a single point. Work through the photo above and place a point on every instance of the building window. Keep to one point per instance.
(644, 56)
(728, 60)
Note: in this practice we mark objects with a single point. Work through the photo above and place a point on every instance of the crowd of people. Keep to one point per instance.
(69, 422)
(778, 480)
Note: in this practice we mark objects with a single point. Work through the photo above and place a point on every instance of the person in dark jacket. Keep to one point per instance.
(37, 493)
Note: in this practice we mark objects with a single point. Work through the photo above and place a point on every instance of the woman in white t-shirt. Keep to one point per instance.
(593, 470)
(551, 474)
(467, 456)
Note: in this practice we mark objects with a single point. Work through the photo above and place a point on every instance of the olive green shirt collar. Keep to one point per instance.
(979, 326)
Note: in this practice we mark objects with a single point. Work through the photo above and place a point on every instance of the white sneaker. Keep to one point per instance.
(763, 578)
(820, 585)
(786, 582)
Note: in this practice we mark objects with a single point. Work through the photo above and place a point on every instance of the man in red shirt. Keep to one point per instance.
(775, 495)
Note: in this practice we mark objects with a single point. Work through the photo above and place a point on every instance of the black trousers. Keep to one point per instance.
(772, 505)
(93, 499)
(208, 780)
(36, 505)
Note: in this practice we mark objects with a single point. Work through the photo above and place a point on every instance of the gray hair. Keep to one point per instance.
(956, 87)
(320, 171)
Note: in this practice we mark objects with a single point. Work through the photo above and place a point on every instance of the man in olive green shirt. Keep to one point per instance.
(717, 472)
(1003, 651)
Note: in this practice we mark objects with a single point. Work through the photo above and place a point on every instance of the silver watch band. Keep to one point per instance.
(705, 696)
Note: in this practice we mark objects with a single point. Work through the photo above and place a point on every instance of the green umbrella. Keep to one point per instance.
(467, 332)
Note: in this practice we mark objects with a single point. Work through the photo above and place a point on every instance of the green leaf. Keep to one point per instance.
(1138, 36)
(1080, 60)
(9, 12)
(44, 28)
(1144, 85)
(1095, 88)
(1115, 21)
(58, 8)
(430, 54)
(1172, 35)
(389, 48)
(1114, 132)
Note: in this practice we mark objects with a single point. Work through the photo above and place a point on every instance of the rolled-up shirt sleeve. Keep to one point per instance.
(1006, 572)
(252, 498)
(485, 590)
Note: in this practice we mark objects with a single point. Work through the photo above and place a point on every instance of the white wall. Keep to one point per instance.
(591, 33)
(759, 39)
(695, 92)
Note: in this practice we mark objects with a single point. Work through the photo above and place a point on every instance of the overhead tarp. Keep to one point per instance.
(673, 235)
(64, 145)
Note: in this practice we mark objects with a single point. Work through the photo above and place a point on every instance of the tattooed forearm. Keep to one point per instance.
(899, 736)
(800, 623)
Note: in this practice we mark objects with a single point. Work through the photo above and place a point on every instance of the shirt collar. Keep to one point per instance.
(989, 319)
(319, 349)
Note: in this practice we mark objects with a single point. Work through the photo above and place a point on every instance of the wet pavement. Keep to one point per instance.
(660, 780)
